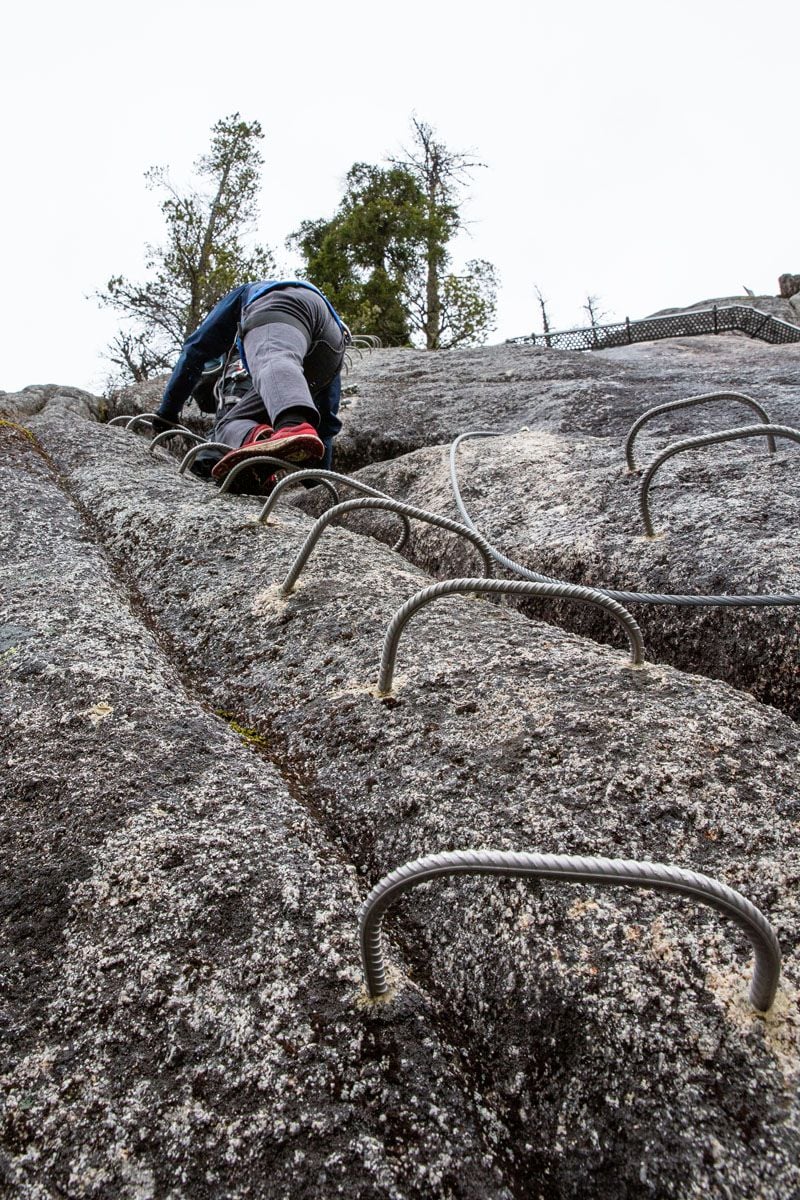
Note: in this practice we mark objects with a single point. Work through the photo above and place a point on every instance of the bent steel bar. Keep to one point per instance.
(690, 402)
(725, 318)
(606, 871)
(708, 439)
(551, 590)
(722, 601)
(160, 438)
(140, 419)
(195, 450)
(280, 464)
(320, 474)
(381, 502)
(125, 419)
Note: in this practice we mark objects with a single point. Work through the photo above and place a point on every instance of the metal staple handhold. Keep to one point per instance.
(195, 450)
(280, 464)
(124, 419)
(160, 438)
(380, 502)
(321, 475)
(708, 439)
(609, 871)
(140, 419)
(690, 402)
(452, 587)
(731, 601)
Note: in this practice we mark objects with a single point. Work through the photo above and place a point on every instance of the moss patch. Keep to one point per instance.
(250, 737)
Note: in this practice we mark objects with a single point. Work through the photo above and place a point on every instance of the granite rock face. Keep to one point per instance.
(407, 399)
(789, 285)
(68, 402)
(726, 519)
(610, 1032)
(188, 1020)
(180, 1009)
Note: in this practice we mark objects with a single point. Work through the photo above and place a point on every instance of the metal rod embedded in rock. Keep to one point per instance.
(605, 871)
(696, 601)
(379, 502)
(553, 590)
(192, 454)
(696, 443)
(691, 402)
(160, 438)
(320, 474)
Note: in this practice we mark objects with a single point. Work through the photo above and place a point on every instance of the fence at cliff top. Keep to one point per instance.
(730, 318)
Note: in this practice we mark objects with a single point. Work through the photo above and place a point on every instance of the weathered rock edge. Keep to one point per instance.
(727, 521)
(406, 399)
(179, 1012)
(617, 1045)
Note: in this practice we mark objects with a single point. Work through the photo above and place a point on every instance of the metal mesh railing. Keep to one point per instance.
(729, 318)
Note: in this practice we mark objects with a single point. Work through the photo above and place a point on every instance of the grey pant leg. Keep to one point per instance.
(287, 365)
(237, 421)
(275, 354)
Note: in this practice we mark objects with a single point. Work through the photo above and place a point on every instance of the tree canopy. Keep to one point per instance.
(364, 257)
(202, 256)
(384, 257)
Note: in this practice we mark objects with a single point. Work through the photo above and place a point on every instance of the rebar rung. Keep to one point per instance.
(552, 590)
(379, 502)
(707, 601)
(696, 443)
(691, 402)
(605, 871)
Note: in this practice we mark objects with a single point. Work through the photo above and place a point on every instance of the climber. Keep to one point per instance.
(292, 342)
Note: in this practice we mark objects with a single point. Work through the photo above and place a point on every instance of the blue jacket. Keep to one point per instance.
(215, 336)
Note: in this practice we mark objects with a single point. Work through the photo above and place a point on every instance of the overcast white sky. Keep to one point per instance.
(642, 150)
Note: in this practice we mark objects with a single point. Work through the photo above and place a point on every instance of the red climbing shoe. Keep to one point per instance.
(294, 443)
(259, 480)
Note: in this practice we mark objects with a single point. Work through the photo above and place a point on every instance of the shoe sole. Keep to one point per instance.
(297, 448)
(300, 448)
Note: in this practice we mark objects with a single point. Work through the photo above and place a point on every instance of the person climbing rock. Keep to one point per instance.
(291, 342)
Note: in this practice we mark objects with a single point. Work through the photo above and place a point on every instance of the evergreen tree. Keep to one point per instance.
(384, 257)
(442, 175)
(202, 257)
(365, 255)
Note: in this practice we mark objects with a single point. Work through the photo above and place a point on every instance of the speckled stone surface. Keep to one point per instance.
(180, 1011)
(726, 519)
(406, 399)
(51, 398)
(400, 400)
(608, 1031)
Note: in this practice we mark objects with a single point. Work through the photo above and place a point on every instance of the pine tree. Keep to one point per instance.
(449, 310)
(384, 257)
(363, 257)
(202, 257)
